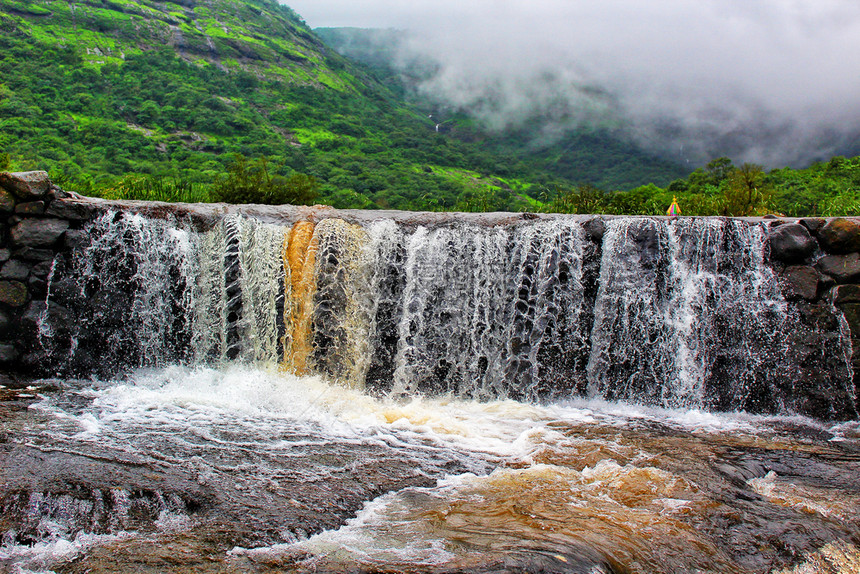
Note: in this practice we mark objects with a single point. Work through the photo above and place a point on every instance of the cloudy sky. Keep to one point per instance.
(771, 81)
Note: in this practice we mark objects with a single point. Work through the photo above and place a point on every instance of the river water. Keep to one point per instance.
(386, 398)
(244, 469)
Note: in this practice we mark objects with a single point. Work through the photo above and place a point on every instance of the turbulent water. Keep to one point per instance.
(389, 398)
(675, 313)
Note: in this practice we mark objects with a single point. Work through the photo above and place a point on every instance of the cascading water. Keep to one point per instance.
(325, 396)
(689, 315)
(682, 313)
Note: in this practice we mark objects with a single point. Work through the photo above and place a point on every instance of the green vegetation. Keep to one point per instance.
(252, 182)
(129, 97)
(720, 188)
(237, 100)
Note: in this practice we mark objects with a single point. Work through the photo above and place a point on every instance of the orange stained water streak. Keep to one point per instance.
(300, 249)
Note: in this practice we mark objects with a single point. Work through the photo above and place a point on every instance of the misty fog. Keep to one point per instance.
(770, 81)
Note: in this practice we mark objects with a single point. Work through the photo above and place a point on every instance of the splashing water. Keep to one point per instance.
(682, 313)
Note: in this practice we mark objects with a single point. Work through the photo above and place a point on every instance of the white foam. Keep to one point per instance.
(42, 557)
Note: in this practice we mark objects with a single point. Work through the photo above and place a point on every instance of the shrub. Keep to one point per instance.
(252, 182)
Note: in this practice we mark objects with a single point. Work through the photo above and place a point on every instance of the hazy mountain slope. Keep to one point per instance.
(548, 134)
(95, 90)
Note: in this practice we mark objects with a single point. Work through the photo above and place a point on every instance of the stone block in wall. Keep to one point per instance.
(13, 293)
(813, 224)
(840, 236)
(7, 201)
(26, 185)
(30, 208)
(70, 211)
(846, 294)
(800, 281)
(38, 232)
(15, 270)
(34, 254)
(42, 269)
(791, 243)
(842, 268)
(5, 255)
(5, 322)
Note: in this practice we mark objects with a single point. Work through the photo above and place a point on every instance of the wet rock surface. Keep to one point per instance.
(109, 486)
(801, 281)
(746, 501)
(840, 235)
(791, 243)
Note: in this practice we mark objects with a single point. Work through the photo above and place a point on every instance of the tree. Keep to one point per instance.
(746, 192)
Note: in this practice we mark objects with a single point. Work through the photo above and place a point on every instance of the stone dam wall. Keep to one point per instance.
(42, 226)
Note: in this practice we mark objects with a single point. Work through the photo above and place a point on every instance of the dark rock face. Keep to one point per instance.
(7, 201)
(15, 269)
(791, 243)
(846, 294)
(842, 268)
(26, 186)
(38, 232)
(8, 353)
(13, 293)
(800, 281)
(840, 236)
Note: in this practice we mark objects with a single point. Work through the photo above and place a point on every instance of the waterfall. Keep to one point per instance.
(677, 313)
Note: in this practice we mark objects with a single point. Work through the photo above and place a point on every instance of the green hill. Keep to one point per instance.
(147, 97)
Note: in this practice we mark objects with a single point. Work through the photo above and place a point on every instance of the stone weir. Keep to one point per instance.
(750, 314)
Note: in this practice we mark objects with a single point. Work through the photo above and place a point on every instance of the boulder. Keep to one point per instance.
(840, 235)
(26, 185)
(842, 268)
(791, 243)
(800, 282)
(38, 232)
(15, 269)
(13, 293)
(813, 224)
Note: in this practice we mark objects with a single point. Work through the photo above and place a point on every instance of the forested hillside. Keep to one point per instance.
(166, 99)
